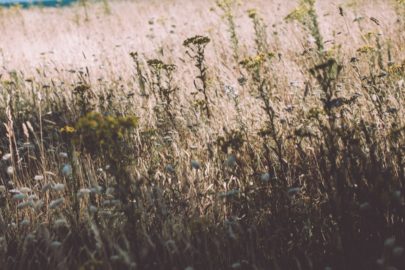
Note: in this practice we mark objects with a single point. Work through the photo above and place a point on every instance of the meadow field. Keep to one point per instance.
(203, 134)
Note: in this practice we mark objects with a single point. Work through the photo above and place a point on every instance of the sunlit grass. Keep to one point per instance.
(203, 135)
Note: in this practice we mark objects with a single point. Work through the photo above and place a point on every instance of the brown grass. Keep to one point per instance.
(285, 174)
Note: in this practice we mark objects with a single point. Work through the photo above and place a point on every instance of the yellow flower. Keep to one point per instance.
(68, 129)
(365, 49)
(396, 69)
(301, 12)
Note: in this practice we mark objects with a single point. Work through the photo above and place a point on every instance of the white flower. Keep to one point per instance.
(397, 251)
(92, 209)
(265, 177)
(114, 257)
(22, 205)
(19, 196)
(38, 204)
(96, 189)
(25, 190)
(56, 203)
(58, 187)
(236, 265)
(46, 187)
(33, 197)
(67, 170)
(292, 191)
(10, 170)
(60, 222)
(25, 222)
(231, 91)
(55, 244)
(38, 177)
(83, 191)
(63, 155)
(7, 156)
(389, 242)
(374, 97)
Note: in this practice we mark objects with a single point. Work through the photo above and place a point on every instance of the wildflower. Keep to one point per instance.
(301, 13)
(55, 244)
(293, 191)
(397, 251)
(46, 187)
(25, 190)
(397, 195)
(56, 203)
(110, 191)
(96, 189)
(242, 80)
(97, 132)
(38, 205)
(10, 170)
(23, 205)
(374, 97)
(114, 258)
(63, 155)
(195, 164)
(230, 193)
(169, 168)
(252, 13)
(32, 197)
(25, 222)
(265, 177)
(58, 187)
(396, 69)
(92, 209)
(389, 242)
(60, 222)
(108, 203)
(365, 49)
(67, 170)
(156, 64)
(6, 156)
(68, 129)
(196, 40)
(82, 192)
(30, 237)
(255, 61)
(38, 177)
(231, 161)
(12, 225)
(230, 91)
(14, 191)
(19, 196)
(236, 265)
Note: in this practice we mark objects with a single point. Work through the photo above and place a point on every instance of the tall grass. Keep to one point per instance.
(121, 155)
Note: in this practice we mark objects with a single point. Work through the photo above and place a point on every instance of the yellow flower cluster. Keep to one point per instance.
(398, 69)
(68, 129)
(96, 131)
(301, 13)
(366, 49)
(255, 61)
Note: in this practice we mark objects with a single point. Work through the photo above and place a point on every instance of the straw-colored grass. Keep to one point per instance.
(272, 138)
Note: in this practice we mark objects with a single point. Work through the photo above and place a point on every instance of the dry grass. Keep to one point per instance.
(258, 151)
